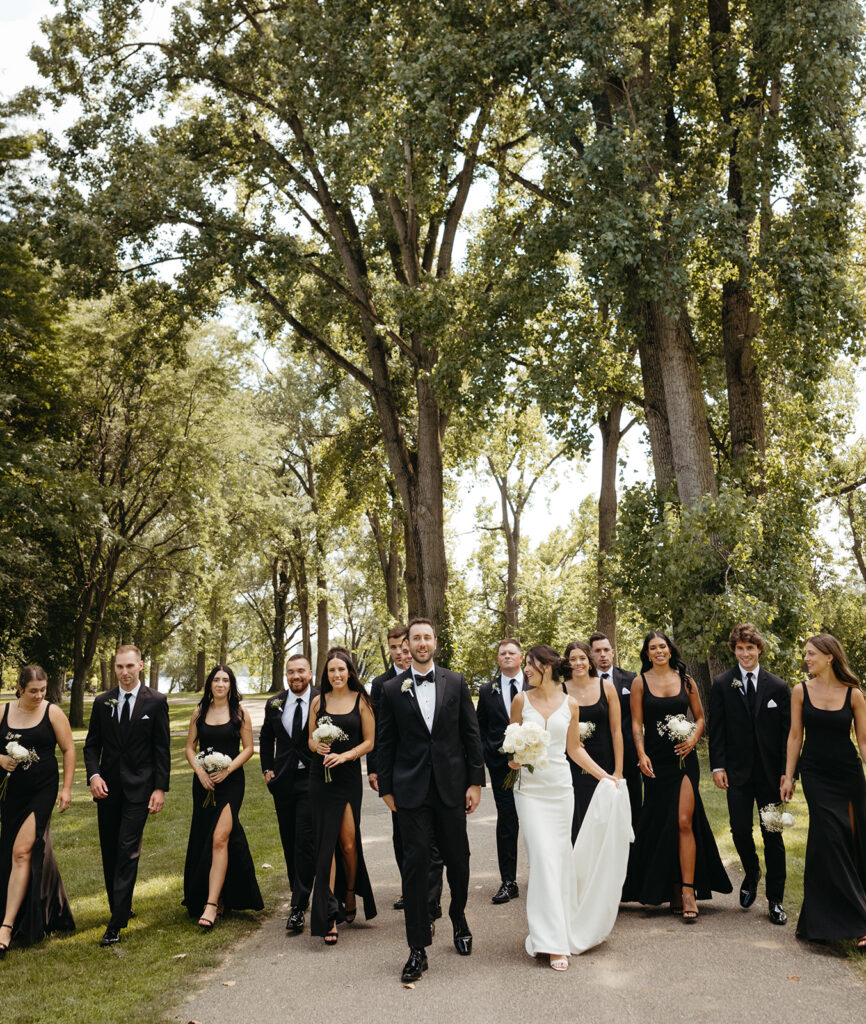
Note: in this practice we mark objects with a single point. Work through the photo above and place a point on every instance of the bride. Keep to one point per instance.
(573, 893)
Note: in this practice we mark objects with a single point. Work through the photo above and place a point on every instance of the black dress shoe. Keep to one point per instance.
(463, 938)
(398, 904)
(507, 891)
(777, 914)
(436, 912)
(295, 923)
(110, 938)
(749, 891)
(414, 966)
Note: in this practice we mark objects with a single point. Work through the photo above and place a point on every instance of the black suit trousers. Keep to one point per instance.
(295, 819)
(434, 887)
(507, 826)
(741, 810)
(121, 827)
(448, 826)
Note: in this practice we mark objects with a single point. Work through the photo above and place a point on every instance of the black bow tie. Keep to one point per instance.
(425, 679)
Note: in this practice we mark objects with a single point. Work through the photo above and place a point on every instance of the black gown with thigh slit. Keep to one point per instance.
(654, 863)
(599, 746)
(328, 801)
(834, 878)
(240, 890)
(33, 790)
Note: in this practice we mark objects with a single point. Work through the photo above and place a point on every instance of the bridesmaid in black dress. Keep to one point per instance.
(33, 901)
(834, 879)
(599, 705)
(341, 874)
(219, 873)
(674, 857)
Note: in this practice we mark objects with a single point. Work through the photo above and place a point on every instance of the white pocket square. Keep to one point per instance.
(144, 718)
(625, 690)
(772, 704)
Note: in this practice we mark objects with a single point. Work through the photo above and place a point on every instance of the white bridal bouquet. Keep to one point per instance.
(586, 730)
(326, 732)
(22, 755)
(528, 742)
(677, 728)
(774, 817)
(212, 762)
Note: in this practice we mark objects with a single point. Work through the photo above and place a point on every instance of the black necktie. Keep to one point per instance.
(750, 693)
(124, 712)
(513, 688)
(297, 722)
(605, 675)
(425, 679)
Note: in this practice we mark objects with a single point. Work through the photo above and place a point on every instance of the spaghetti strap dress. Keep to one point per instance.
(328, 801)
(33, 790)
(240, 889)
(654, 864)
(834, 878)
(599, 746)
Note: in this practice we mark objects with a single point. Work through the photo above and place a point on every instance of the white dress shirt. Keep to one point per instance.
(743, 673)
(505, 689)
(121, 699)
(425, 694)
(288, 715)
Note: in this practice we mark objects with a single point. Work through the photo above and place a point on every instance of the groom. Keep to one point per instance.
(431, 770)
(750, 715)
(127, 755)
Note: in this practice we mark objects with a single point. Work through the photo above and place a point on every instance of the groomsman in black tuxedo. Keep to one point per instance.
(401, 659)
(431, 769)
(750, 716)
(285, 757)
(494, 714)
(603, 657)
(127, 756)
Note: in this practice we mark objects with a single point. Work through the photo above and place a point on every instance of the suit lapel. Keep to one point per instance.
(440, 684)
(411, 696)
(760, 690)
(140, 703)
(114, 712)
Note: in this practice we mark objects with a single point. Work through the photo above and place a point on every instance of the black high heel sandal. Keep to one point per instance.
(331, 938)
(203, 922)
(350, 915)
(689, 916)
(5, 946)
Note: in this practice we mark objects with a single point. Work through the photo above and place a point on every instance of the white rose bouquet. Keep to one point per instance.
(327, 732)
(677, 728)
(22, 755)
(212, 762)
(528, 743)
(774, 817)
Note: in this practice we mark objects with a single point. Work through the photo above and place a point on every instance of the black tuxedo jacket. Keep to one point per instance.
(410, 757)
(375, 699)
(277, 751)
(493, 721)
(622, 680)
(139, 762)
(737, 741)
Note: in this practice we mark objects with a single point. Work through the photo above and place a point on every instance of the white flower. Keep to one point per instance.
(774, 818)
(21, 754)
(407, 686)
(787, 820)
(737, 683)
(496, 687)
(326, 732)
(586, 730)
(212, 761)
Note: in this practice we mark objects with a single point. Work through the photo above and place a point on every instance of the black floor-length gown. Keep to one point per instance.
(834, 878)
(240, 889)
(328, 801)
(599, 746)
(33, 790)
(654, 875)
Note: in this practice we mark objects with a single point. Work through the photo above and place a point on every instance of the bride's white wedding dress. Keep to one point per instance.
(573, 894)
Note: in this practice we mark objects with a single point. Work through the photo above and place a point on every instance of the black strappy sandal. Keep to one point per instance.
(5, 946)
(350, 915)
(331, 938)
(203, 922)
(689, 916)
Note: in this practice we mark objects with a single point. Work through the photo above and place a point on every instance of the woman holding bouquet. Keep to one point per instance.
(834, 881)
(219, 872)
(33, 901)
(600, 728)
(335, 796)
(674, 857)
(573, 892)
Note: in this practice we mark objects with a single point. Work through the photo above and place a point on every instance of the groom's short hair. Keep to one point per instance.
(421, 622)
(746, 633)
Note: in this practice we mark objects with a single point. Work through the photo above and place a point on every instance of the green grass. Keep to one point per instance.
(57, 979)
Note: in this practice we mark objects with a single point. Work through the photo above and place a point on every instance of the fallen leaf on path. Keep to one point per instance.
(264, 866)
(793, 977)
(409, 984)
(229, 984)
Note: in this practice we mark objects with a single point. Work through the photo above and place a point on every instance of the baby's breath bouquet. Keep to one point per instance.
(774, 818)
(18, 753)
(212, 762)
(528, 742)
(327, 732)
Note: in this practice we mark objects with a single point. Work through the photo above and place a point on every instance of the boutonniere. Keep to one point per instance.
(497, 686)
(737, 683)
(278, 703)
(112, 705)
(407, 686)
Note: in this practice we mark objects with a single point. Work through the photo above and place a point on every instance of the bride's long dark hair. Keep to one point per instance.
(542, 655)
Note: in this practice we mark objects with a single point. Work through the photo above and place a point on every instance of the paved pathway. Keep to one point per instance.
(730, 966)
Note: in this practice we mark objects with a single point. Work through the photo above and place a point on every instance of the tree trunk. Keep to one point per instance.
(302, 589)
(54, 690)
(104, 674)
(511, 531)
(388, 550)
(608, 423)
(154, 674)
(655, 408)
(322, 626)
(280, 585)
(410, 573)
(684, 398)
(740, 328)
(224, 642)
(200, 668)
